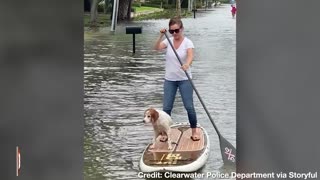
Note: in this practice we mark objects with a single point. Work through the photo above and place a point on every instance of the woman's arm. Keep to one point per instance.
(189, 59)
(159, 45)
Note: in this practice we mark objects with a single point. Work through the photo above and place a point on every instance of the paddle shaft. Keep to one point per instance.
(226, 148)
(194, 88)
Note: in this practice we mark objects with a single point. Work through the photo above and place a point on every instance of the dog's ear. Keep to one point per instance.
(154, 115)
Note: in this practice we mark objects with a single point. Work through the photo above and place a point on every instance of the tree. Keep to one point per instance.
(94, 12)
(178, 7)
(124, 11)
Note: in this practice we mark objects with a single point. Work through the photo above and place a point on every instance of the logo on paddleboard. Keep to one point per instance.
(231, 156)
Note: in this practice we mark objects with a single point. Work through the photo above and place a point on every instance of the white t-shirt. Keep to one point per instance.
(173, 67)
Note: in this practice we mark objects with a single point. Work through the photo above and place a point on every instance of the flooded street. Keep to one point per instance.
(119, 86)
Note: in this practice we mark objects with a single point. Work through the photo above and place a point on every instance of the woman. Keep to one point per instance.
(233, 10)
(175, 77)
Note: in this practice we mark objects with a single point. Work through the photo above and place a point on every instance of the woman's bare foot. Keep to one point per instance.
(195, 134)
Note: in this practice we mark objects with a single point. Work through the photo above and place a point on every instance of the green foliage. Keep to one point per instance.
(198, 5)
(224, 1)
(165, 14)
(169, 6)
(155, 1)
(136, 4)
(103, 20)
(151, 5)
(100, 7)
(145, 8)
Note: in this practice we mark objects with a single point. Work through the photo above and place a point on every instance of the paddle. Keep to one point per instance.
(228, 152)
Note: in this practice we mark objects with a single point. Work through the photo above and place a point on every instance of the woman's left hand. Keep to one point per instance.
(185, 67)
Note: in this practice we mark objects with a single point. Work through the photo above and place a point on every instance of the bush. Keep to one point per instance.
(100, 7)
(225, 1)
(169, 6)
(136, 4)
(198, 5)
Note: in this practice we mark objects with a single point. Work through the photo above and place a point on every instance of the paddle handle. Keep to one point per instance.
(193, 86)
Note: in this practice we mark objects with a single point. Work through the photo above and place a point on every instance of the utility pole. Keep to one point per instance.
(114, 15)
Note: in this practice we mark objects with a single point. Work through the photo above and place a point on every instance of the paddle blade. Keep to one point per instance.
(228, 152)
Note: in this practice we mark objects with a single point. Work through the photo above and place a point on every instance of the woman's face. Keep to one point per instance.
(175, 31)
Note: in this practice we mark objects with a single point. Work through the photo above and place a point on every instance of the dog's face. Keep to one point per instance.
(150, 115)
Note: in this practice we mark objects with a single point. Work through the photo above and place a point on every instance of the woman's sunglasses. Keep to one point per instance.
(171, 31)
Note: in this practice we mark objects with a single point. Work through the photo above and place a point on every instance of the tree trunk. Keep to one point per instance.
(106, 5)
(111, 1)
(94, 12)
(178, 6)
(129, 10)
(124, 9)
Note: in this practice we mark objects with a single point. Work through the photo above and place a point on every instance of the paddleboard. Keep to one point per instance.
(186, 155)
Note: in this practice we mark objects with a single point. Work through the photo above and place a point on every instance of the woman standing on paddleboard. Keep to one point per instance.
(175, 77)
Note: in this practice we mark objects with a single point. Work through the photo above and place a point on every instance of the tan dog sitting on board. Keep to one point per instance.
(161, 122)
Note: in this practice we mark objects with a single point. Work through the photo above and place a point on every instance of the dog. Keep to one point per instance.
(161, 122)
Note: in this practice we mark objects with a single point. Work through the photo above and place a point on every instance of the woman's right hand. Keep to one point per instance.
(163, 30)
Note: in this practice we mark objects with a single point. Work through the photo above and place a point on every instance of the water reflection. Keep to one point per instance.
(119, 86)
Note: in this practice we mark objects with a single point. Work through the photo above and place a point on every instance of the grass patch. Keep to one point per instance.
(144, 8)
(225, 1)
(103, 20)
(165, 14)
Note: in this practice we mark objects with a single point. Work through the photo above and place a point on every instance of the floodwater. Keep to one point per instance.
(120, 86)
